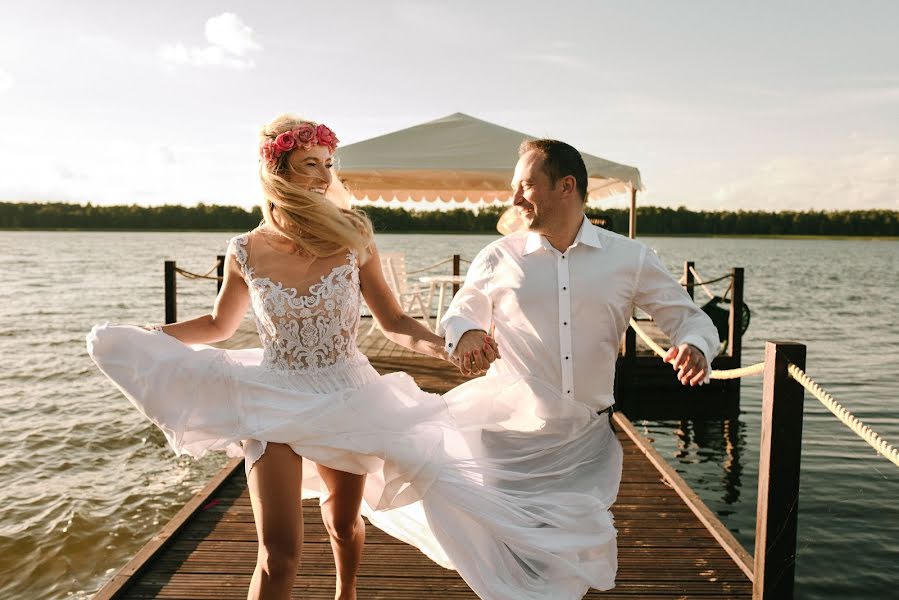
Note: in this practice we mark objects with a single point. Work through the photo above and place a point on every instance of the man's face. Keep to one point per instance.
(532, 192)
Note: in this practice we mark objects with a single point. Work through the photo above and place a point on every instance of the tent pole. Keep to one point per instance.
(632, 226)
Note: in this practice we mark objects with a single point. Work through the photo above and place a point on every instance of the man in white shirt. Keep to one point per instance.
(558, 297)
(556, 300)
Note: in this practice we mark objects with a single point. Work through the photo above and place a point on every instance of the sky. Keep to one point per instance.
(721, 105)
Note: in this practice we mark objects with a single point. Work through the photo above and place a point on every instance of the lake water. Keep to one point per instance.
(85, 481)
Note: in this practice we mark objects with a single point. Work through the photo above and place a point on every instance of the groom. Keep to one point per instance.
(556, 300)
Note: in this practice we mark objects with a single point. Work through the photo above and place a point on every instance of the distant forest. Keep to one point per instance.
(651, 220)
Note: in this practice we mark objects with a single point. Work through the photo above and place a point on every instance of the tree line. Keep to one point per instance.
(651, 220)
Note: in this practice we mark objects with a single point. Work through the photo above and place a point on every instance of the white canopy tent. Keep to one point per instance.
(458, 158)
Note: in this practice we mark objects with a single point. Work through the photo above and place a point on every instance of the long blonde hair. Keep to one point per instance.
(310, 220)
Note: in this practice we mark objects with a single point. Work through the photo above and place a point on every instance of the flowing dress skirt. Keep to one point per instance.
(501, 479)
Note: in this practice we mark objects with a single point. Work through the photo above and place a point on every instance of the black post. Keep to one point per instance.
(220, 271)
(171, 302)
(688, 277)
(735, 321)
(456, 269)
(779, 456)
(630, 343)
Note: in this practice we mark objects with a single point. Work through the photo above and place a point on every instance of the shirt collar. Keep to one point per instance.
(588, 234)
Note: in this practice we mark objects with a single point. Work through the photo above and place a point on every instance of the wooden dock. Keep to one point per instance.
(670, 545)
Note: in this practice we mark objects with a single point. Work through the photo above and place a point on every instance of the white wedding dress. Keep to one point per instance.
(501, 479)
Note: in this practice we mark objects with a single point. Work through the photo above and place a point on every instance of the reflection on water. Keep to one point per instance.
(718, 442)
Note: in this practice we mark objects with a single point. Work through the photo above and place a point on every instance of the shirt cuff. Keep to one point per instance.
(454, 328)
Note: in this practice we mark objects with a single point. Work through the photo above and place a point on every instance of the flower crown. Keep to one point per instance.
(303, 136)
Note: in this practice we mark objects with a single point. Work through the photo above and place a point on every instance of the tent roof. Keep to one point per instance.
(456, 158)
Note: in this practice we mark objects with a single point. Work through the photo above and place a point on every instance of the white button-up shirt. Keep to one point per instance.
(560, 316)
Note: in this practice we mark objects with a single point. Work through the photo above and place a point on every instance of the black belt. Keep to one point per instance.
(611, 411)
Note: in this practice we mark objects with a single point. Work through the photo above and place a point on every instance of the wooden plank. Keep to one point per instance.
(727, 540)
(119, 581)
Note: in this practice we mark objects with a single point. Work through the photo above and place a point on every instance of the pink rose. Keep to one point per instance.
(266, 150)
(284, 142)
(326, 137)
(305, 135)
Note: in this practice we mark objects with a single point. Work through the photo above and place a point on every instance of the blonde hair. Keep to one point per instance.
(310, 220)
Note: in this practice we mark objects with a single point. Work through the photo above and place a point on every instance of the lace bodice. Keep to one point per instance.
(308, 331)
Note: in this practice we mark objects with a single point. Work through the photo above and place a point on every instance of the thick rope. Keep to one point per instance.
(755, 369)
(703, 283)
(879, 444)
(205, 275)
(437, 264)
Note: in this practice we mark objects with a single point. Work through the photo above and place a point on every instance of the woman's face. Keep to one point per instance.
(311, 168)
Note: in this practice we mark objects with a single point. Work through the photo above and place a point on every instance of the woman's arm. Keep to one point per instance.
(229, 310)
(397, 326)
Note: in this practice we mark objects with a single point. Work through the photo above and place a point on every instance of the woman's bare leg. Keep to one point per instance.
(341, 514)
(274, 484)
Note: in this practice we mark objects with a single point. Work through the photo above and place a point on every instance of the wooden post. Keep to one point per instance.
(171, 300)
(632, 224)
(456, 268)
(779, 455)
(688, 277)
(220, 271)
(735, 321)
(630, 343)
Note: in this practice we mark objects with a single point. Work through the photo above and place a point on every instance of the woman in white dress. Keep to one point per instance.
(424, 468)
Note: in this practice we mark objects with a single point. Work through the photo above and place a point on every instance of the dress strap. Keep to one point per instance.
(238, 246)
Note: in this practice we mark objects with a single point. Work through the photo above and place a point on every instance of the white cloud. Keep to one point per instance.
(229, 32)
(6, 80)
(230, 41)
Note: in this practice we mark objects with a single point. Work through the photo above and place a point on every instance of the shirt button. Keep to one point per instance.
(450, 345)
(568, 392)
(566, 358)
(565, 323)
(564, 288)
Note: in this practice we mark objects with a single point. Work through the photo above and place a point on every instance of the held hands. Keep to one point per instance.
(690, 364)
(474, 352)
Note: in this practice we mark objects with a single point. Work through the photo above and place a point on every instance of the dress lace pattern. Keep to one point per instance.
(308, 332)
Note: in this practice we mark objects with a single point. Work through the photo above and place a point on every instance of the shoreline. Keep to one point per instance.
(771, 236)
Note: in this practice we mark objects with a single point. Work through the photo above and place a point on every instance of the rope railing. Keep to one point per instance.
(435, 265)
(879, 444)
(704, 284)
(755, 369)
(206, 275)
(428, 268)
(699, 282)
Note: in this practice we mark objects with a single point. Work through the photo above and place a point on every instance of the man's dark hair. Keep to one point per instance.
(559, 160)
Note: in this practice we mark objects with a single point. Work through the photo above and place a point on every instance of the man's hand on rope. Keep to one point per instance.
(690, 364)
(474, 352)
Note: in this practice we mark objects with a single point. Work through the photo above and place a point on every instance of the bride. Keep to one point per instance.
(314, 419)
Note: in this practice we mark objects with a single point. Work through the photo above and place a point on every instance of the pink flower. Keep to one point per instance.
(326, 137)
(284, 142)
(305, 135)
(267, 150)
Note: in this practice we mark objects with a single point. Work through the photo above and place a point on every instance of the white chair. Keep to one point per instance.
(413, 299)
